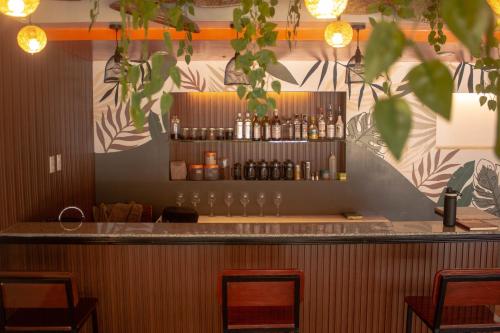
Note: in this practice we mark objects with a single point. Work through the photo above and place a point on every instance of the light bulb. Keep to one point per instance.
(495, 5)
(326, 9)
(18, 8)
(338, 34)
(31, 39)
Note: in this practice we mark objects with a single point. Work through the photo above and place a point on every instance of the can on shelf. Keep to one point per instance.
(229, 133)
(211, 172)
(211, 134)
(186, 133)
(297, 173)
(220, 134)
(203, 133)
(210, 157)
(306, 170)
(196, 172)
(194, 133)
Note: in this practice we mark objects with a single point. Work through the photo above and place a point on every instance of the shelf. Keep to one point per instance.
(251, 141)
(260, 181)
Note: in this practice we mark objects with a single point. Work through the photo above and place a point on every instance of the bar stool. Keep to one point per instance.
(43, 301)
(460, 302)
(260, 300)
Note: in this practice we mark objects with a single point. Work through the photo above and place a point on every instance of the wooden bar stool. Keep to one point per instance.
(43, 302)
(260, 300)
(460, 302)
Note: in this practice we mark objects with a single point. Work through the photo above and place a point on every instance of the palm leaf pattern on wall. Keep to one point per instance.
(191, 81)
(433, 173)
(361, 130)
(486, 187)
(461, 181)
(116, 131)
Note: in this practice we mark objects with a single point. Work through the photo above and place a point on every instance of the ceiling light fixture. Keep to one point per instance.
(338, 34)
(233, 75)
(112, 69)
(18, 8)
(326, 9)
(356, 65)
(32, 39)
(495, 5)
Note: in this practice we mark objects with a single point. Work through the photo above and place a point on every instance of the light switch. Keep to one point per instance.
(52, 164)
(58, 162)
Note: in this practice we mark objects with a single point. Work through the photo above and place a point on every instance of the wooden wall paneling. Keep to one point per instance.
(172, 288)
(45, 109)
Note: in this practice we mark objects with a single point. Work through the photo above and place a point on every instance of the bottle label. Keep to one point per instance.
(339, 131)
(304, 132)
(267, 132)
(322, 129)
(330, 131)
(256, 132)
(276, 132)
(297, 132)
(248, 131)
(239, 130)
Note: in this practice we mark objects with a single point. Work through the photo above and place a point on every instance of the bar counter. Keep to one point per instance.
(243, 233)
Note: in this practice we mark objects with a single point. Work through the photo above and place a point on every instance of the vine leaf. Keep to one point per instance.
(461, 181)
(432, 173)
(311, 72)
(360, 97)
(279, 71)
(335, 74)
(361, 130)
(323, 72)
(486, 187)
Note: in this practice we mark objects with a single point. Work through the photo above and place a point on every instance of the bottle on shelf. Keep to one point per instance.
(287, 129)
(256, 128)
(330, 127)
(305, 127)
(312, 132)
(276, 126)
(332, 166)
(266, 128)
(321, 124)
(297, 128)
(339, 126)
(175, 128)
(238, 127)
(247, 127)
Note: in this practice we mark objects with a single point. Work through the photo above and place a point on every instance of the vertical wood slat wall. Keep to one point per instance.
(45, 109)
(349, 288)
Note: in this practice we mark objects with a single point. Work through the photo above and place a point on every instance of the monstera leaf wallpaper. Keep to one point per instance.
(474, 172)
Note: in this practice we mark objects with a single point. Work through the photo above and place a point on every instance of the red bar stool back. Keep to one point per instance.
(43, 301)
(261, 300)
(461, 302)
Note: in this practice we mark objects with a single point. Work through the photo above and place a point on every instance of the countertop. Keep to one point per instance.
(242, 233)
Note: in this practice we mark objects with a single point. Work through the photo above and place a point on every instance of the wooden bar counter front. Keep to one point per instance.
(163, 277)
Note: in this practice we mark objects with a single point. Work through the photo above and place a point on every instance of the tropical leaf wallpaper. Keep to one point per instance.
(474, 172)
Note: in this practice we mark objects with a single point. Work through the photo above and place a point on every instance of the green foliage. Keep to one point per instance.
(437, 37)
(432, 83)
(166, 102)
(393, 119)
(292, 20)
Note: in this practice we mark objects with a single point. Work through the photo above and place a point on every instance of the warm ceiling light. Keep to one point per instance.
(32, 39)
(495, 5)
(18, 8)
(326, 9)
(338, 34)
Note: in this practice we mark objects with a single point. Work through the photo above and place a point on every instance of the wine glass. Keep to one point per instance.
(261, 200)
(195, 199)
(179, 199)
(228, 200)
(278, 198)
(211, 202)
(245, 200)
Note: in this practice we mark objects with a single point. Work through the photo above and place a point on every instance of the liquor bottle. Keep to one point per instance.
(329, 110)
(339, 126)
(297, 128)
(305, 127)
(247, 127)
(276, 126)
(330, 127)
(257, 128)
(287, 130)
(266, 129)
(175, 128)
(332, 166)
(238, 127)
(321, 124)
(312, 132)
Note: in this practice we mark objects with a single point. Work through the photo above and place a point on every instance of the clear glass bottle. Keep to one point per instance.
(257, 128)
(321, 125)
(305, 127)
(330, 127)
(276, 126)
(266, 129)
(297, 128)
(175, 128)
(247, 127)
(238, 127)
(287, 130)
(339, 126)
(312, 132)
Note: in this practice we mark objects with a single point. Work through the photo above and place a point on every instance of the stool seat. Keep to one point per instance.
(49, 319)
(453, 317)
(254, 317)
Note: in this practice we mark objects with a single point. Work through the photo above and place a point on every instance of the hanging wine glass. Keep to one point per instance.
(195, 199)
(228, 200)
(278, 198)
(179, 199)
(211, 202)
(244, 200)
(261, 200)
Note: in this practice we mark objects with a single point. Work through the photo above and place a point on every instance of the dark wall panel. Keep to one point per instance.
(45, 109)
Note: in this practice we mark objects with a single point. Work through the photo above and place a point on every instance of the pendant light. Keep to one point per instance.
(32, 39)
(326, 9)
(233, 75)
(112, 69)
(495, 5)
(356, 65)
(338, 34)
(18, 8)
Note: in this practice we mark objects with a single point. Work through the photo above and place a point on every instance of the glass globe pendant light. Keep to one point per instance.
(495, 5)
(326, 9)
(18, 8)
(32, 39)
(356, 65)
(338, 34)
